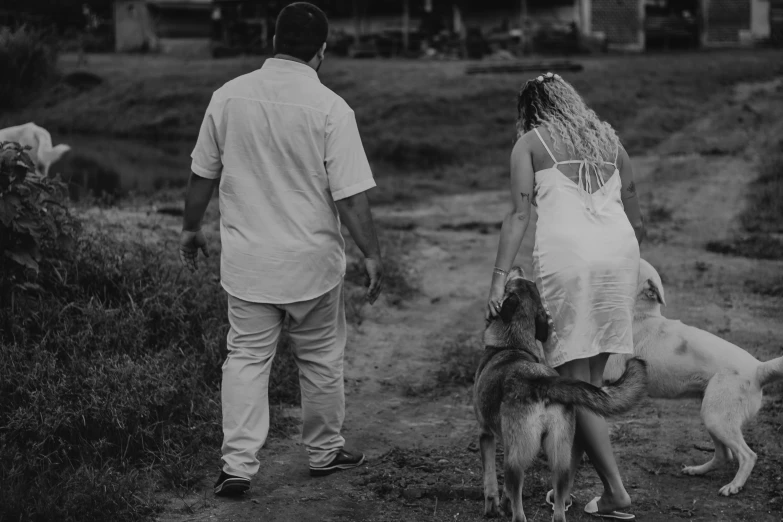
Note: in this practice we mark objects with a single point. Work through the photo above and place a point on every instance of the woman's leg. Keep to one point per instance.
(592, 436)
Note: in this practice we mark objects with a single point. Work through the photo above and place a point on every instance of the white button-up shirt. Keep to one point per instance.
(285, 148)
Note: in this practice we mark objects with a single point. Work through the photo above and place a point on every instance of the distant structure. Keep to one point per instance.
(623, 24)
(181, 27)
(391, 27)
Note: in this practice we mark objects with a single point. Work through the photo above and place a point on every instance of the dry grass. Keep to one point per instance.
(762, 219)
(427, 127)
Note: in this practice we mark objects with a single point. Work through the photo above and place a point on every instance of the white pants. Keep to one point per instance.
(317, 328)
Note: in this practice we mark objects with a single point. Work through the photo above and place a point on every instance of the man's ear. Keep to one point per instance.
(510, 305)
(322, 51)
(542, 324)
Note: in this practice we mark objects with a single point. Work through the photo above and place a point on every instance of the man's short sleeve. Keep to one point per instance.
(347, 167)
(206, 155)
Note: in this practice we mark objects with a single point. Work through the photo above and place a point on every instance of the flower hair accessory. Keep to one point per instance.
(548, 77)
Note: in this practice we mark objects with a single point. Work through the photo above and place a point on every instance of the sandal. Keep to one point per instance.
(592, 509)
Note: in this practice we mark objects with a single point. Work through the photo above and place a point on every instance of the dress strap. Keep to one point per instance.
(545, 146)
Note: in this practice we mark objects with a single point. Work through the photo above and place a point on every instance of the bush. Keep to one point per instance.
(110, 385)
(35, 226)
(27, 62)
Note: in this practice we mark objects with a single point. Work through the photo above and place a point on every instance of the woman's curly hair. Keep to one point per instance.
(554, 103)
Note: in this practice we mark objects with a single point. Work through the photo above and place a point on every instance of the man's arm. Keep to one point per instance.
(197, 198)
(355, 214)
(192, 239)
(350, 176)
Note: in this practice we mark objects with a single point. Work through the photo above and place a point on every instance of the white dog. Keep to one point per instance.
(42, 152)
(683, 361)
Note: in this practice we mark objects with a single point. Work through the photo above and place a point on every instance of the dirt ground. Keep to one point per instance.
(420, 440)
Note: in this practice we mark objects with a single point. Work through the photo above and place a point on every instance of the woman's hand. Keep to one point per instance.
(496, 291)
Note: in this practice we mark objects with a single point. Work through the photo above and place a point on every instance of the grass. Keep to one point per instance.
(427, 127)
(459, 359)
(111, 378)
(762, 219)
(765, 206)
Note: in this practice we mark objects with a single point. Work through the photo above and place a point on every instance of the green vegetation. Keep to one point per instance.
(427, 127)
(110, 358)
(762, 219)
(28, 63)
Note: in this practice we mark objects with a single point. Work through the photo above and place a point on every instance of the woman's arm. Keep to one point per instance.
(629, 196)
(515, 222)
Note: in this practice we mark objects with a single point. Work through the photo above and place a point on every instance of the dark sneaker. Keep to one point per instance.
(342, 461)
(230, 486)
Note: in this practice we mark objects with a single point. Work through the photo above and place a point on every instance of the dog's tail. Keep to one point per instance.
(769, 372)
(611, 399)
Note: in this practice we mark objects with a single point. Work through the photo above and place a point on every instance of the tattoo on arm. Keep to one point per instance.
(525, 196)
(631, 190)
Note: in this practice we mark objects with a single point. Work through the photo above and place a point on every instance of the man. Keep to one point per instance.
(290, 164)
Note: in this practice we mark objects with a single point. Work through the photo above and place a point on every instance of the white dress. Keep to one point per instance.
(586, 261)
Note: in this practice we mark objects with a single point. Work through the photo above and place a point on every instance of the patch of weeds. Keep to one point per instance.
(759, 246)
(763, 215)
(111, 384)
(478, 226)
(459, 361)
(659, 214)
(772, 288)
(404, 153)
(764, 211)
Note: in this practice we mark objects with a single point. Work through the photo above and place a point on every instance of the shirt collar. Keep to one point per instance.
(279, 64)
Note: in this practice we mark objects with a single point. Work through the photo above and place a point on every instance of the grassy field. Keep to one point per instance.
(428, 127)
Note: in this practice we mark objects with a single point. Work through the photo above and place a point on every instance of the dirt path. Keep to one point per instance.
(393, 354)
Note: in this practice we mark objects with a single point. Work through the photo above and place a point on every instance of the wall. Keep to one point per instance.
(759, 19)
(726, 23)
(621, 22)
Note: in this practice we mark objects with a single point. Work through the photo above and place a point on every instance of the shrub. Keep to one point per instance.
(35, 226)
(28, 62)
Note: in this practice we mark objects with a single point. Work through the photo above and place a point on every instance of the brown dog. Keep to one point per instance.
(527, 404)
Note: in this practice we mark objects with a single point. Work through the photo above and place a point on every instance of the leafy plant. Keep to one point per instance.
(35, 225)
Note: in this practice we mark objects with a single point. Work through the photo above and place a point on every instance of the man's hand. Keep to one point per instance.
(373, 278)
(189, 245)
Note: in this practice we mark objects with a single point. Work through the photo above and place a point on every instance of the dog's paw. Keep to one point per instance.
(492, 507)
(729, 490)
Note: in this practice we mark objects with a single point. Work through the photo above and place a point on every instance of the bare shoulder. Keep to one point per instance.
(525, 144)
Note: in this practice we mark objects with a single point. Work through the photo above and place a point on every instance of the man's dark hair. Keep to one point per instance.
(300, 31)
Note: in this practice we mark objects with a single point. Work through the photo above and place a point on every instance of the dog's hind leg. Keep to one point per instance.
(722, 456)
(557, 444)
(522, 441)
(731, 436)
(728, 402)
(491, 498)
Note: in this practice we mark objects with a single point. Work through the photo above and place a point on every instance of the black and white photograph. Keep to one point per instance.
(391, 260)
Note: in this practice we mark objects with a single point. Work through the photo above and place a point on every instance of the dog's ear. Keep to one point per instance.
(510, 305)
(542, 324)
(653, 292)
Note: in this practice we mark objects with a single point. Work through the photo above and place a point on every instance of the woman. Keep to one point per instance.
(570, 164)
